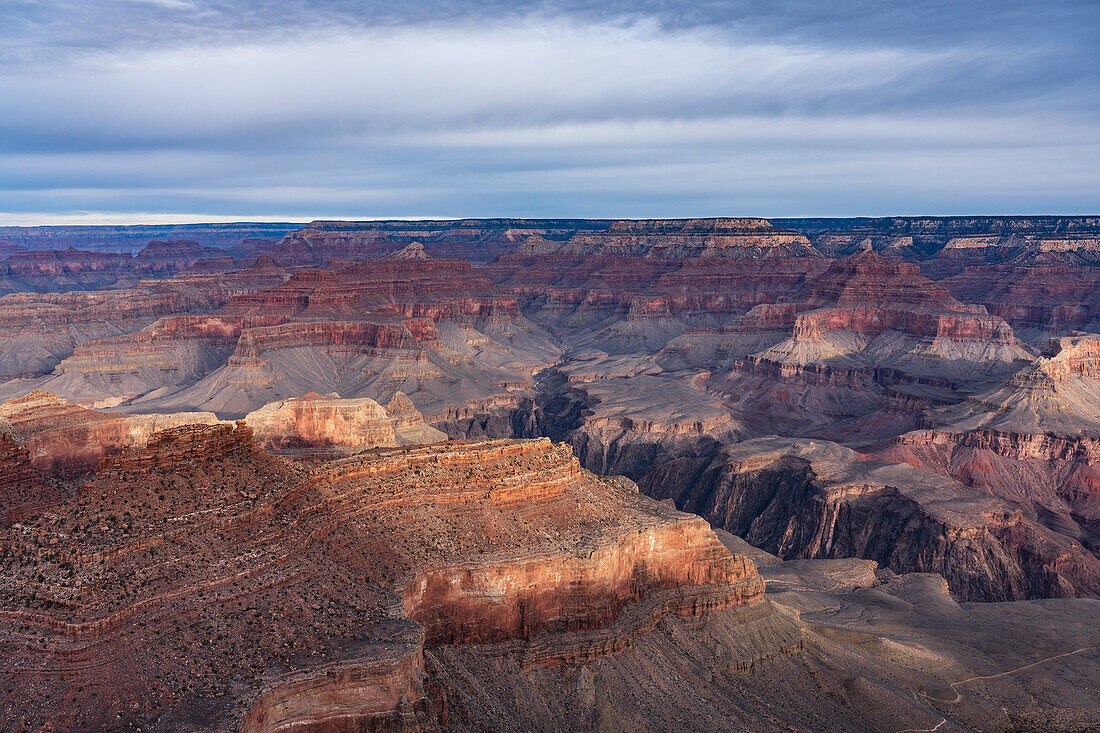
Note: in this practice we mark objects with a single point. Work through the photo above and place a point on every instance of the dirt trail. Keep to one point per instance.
(958, 695)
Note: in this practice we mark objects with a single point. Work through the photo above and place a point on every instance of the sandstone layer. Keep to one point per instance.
(268, 595)
(67, 441)
(322, 421)
(478, 240)
(314, 568)
(864, 339)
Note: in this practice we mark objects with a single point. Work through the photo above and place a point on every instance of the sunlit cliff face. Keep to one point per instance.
(243, 477)
(477, 542)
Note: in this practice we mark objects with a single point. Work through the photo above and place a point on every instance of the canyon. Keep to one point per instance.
(507, 474)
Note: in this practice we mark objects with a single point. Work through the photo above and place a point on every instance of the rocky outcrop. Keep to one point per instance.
(414, 251)
(1053, 480)
(281, 592)
(837, 645)
(813, 499)
(863, 336)
(168, 258)
(67, 441)
(316, 421)
(23, 493)
(433, 288)
(677, 239)
(383, 689)
(581, 591)
(408, 424)
(1040, 274)
(1032, 547)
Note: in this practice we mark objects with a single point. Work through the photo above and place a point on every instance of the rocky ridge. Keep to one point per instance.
(478, 240)
(316, 421)
(214, 527)
(863, 338)
(473, 585)
(66, 441)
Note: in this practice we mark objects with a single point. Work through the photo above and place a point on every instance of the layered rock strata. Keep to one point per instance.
(67, 441)
(642, 283)
(39, 331)
(987, 238)
(814, 499)
(48, 270)
(478, 240)
(258, 594)
(133, 237)
(863, 338)
(676, 239)
(1034, 442)
(433, 329)
(316, 421)
(23, 493)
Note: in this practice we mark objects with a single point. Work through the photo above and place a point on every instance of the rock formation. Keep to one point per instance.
(231, 343)
(478, 240)
(1034, 442)
(642, 284)
(23, 493)
(805, 499)
(66, 441)
(1042, 296)
(677, 239)
(962, 237)
(239, 576)
(863, 338)
(201, 583)
(38, 331)
(1039, 273)
(49, 271)
(433, 329)
(414, 251)
(133, 237)
(7, 249)
(316, 421)
(328, 564)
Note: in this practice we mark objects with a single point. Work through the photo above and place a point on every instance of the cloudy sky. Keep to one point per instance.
(203, 110)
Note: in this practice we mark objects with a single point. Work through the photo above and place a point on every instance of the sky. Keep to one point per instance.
(126, 111)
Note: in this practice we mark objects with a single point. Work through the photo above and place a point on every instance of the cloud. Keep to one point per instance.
(438, 77)
(312, 109)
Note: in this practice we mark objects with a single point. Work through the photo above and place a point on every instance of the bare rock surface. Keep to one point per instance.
(260, 593)
(485, 584)
(320, 421)
(67, 441)
(900, 415)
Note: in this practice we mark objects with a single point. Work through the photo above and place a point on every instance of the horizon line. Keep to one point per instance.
(113, 219)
